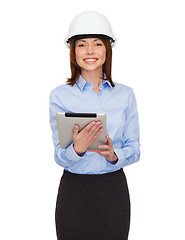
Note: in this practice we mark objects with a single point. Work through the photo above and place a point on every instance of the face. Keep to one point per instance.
(90, 53)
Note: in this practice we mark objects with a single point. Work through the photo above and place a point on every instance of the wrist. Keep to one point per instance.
(115, 158)
(77, 151)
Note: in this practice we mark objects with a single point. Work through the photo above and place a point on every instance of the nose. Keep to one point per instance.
(90, 49)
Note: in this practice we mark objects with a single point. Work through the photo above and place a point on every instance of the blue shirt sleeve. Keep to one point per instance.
(63, 157)
(130, 152)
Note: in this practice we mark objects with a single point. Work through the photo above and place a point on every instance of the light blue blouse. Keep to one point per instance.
(119, 105)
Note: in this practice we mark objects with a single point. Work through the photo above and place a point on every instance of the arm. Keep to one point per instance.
(63, 157)
(130, 153)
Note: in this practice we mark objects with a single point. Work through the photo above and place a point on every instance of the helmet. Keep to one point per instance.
(90, 24)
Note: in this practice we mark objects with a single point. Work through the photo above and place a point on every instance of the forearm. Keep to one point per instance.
(127, 155)
(66, 157)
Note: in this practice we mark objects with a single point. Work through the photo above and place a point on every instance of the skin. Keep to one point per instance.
(92, 72)
(91, 48)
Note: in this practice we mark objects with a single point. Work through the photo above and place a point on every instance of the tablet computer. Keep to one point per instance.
(67, 121)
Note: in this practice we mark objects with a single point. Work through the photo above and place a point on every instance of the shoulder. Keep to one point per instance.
(61, 89)
(120, 87)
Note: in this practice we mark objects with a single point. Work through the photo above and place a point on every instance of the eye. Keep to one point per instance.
(81, 45)
(98, 44)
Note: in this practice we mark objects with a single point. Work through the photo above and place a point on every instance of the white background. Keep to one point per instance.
(149, 57)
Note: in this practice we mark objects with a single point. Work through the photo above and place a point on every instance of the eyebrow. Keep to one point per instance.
(81, 40)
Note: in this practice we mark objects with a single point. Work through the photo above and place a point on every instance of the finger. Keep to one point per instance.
(75, 130)
(107, 137)
(92, 128)
(96, 134)
(109, 140)
(104, 146)
(95, 128)
(104, 153)
(89, 126)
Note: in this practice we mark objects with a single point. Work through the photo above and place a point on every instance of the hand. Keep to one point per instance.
(108, 153)
(83, 139)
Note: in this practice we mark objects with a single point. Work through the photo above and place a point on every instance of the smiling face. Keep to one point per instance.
(90, 54)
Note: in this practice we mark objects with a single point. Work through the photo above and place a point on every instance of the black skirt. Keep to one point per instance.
(93, 207)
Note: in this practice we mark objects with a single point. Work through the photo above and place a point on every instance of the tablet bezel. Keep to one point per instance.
(66, 122)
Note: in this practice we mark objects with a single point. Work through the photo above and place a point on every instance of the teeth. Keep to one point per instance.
(90, 60)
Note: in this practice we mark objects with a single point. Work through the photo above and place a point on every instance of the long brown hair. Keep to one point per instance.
(76, 70)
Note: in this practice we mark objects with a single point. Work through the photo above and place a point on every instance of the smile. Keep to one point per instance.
(90, 60)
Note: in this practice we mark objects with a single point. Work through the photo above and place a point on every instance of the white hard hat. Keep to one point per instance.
(89, 24)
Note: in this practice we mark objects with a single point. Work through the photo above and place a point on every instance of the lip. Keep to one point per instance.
(90, 62)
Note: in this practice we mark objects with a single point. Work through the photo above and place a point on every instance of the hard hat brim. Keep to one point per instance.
(82, 36)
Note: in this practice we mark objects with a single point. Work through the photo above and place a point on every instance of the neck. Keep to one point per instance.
(93, 76)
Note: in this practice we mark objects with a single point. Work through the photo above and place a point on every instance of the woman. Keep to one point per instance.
(93, 199)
